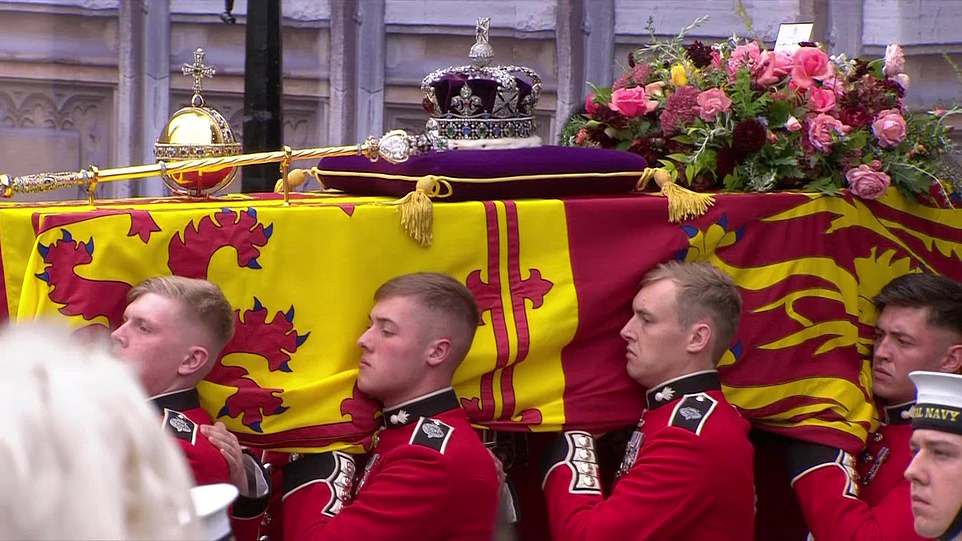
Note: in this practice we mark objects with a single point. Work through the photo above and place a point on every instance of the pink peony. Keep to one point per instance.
(821, 131)
(771, 68)
(821, 100)
(866, 182)
(894, 60)
(590, 105)
(792, 124)
(631, 102)
(889, 128)
(809, 64)
(711, 102)
(744, 55)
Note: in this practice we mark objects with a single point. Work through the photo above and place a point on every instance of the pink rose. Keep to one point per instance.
(743, 55)
(581, 136)
(894, 60)
(590, 105)
(715, 59)
(822, 131)
(809, 64)
(631, 102)
(866, 182)
(889, 128)
(821, 100)
(792, 124)
(771, 68)
(711, 102)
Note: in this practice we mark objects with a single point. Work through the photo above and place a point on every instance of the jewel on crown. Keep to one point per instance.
(478, 102)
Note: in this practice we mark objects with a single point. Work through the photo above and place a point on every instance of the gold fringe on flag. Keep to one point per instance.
(683, 204)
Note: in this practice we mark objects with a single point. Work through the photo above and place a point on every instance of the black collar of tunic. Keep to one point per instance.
(185, 399)
(897, 414)
(673, 389)
(425, 406)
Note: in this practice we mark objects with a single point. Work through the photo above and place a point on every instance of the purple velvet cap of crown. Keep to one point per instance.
(450, 85)
(542, 164)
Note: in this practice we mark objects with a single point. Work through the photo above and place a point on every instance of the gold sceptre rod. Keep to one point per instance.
(394, 146)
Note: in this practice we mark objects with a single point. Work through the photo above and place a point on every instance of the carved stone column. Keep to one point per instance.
(369, 65)
(341, 114)
(130, 93)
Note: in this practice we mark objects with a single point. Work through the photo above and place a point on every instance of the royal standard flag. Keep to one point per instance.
(554, 280)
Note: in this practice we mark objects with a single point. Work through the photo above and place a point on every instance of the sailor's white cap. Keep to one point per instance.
(938, 403)
(210, 506)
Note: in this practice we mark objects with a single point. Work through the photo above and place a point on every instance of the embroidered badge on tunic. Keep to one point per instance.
(181, 426)
(432, 433)
(692, 412)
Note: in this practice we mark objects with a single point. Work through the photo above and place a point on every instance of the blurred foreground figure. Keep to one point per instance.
(82, 452)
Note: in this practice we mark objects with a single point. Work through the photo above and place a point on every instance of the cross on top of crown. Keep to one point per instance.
(198, 71)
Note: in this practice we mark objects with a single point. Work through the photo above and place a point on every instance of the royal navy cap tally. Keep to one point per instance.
(938, 404)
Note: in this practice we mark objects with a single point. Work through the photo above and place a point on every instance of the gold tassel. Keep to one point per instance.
(295, 178)
(417, 213)
(683, 204)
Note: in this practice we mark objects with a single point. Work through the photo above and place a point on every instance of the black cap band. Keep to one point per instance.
(937, 417)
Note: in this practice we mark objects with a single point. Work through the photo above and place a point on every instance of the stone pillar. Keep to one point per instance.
(845, 27)
(156, 88)
(570, 36)
(342, 111)
(130, 81)
(369, 65)
(599, 29)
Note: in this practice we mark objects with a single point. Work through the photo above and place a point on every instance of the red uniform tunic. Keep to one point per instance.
(687, 474)
(182, 418)
(272, 522)
(428, 478)
(872, 505)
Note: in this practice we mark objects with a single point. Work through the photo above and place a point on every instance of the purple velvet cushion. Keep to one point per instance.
(546, 171)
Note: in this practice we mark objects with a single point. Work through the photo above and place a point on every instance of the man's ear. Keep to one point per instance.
(195, 360)
(952, 361)
(700, 337)
(438, 351)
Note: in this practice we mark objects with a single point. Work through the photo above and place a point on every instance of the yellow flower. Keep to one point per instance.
(678, 75)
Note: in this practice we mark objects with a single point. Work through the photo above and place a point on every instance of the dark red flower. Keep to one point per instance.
(699, 54)
(749, 136)
(855, 115)
(679, 109)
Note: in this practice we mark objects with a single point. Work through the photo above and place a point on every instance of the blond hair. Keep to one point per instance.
(201, 301)
(703, 292)
(443, 296)
(84, 454)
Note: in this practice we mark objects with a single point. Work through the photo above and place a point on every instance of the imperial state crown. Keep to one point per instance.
(487, 105)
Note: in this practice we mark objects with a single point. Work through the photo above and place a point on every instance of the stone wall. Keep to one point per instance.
(93, 81)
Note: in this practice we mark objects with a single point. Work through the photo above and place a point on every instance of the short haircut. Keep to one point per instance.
(443, 296)
(703, 292)
(940, 295)
(201, 301)
(84, 453)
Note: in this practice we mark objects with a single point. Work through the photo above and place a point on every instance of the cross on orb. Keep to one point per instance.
(198, 71)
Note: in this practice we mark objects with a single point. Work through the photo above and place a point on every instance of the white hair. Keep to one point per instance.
(84, 455)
